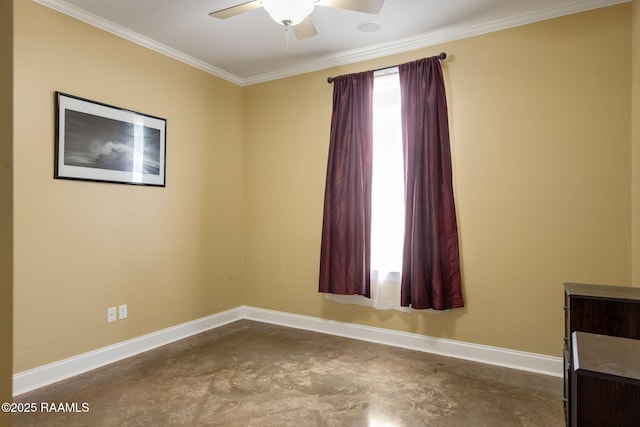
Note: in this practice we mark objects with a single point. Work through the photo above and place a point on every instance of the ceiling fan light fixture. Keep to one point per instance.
(288, 12)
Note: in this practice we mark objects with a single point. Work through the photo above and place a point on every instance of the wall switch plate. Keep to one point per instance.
(122, 311)
(111, 314)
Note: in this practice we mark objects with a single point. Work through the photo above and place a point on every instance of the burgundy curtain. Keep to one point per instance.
(431, 266)
(346, 228)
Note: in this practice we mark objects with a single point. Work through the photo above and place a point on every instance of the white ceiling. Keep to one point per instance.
(250, 48)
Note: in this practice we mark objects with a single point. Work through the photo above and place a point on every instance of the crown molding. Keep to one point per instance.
(343, 58)
(432, 39)
(120, 31)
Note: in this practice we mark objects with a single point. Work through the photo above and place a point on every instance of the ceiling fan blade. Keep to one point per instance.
(305, 29)
(367, 6)
(236, 10)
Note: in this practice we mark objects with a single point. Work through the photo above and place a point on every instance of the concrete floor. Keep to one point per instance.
(255, 374)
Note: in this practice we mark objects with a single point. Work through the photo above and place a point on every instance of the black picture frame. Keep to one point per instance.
(103, 143)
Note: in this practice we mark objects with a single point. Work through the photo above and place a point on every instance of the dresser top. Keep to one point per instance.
(606, 355)
(602, 291)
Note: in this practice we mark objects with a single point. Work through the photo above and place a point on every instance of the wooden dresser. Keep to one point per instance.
(605, 382)
(597, 309)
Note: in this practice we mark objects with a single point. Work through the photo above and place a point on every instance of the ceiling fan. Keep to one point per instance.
(295, 13)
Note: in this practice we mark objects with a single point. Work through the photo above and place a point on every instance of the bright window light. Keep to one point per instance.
(387, 199)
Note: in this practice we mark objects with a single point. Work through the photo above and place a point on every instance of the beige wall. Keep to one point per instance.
(540, 124)
(635, 142)
(172, 254)
(6, 204)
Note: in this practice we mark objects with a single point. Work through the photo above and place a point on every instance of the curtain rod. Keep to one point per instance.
(442, 56)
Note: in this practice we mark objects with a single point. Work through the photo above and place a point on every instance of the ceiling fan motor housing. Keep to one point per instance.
(288, 12)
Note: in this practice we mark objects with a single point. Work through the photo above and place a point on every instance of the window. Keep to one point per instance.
(365, 248)
(387, 198)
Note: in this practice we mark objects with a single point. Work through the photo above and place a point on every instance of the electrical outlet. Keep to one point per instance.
(111, 314)
(122, 311)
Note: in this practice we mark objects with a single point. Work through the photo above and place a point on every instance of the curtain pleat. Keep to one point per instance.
(346, 229)
(431, 266)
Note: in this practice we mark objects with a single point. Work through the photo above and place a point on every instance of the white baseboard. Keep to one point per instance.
(48, 374)
(57, 371)
(514, 359)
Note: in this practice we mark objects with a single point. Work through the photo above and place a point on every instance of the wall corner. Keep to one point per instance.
(6, 206)
(635, 143)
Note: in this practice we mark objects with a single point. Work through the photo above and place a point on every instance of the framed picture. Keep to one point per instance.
(99, 142)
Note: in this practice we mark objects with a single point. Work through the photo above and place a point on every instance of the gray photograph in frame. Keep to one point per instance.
(99, 142)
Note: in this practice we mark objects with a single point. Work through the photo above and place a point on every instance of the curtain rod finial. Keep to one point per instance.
(442, 56)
